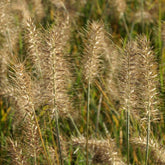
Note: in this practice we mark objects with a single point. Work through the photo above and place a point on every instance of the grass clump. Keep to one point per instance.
(73, 96)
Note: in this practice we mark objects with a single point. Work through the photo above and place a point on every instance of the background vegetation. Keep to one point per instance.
(82, 82)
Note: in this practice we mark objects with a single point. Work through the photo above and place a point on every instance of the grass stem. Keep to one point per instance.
(74, 125)
(98, 112)
(142, 14)
(87, 133)
(40, 134)
(128, 120)
(58, 136)
(126, 26)
(148, 137)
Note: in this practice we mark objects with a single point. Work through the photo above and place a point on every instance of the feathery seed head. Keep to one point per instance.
(56, 69)
(93, 50)
(157, 151)
(33, 38)
(147, 17)
(22, 6)
(148, 78)
(119, 6)
(23, 98)
(104, 150)
(128, 75)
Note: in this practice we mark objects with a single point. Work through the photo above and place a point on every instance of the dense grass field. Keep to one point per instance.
(82, 82)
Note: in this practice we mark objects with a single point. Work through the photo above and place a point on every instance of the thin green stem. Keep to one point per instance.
(98, 112)
(128, 120)
(128, 105)
(148, 137)
(148, 113)
(74, 125)
(53, 140)
(126, 26)
(160, 24)
(55, 107)
(87, 136)
(142, 14)
(58, 136)
(160, 46)
(40, 134)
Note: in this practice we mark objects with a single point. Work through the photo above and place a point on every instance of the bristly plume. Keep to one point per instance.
(112, 54)
(33, 39)
(92, 62)
(128, 75)
(147, 17)
(93, 50)
(23, 101)
(9, 36)
(56, 72)
(38, 10)
(157, 151)
(103, 151)
(148, 75)
(148, 78)
(23, 8)
(119, 6)
(128, 83)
